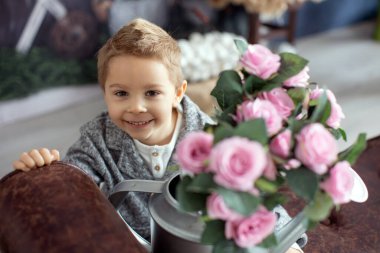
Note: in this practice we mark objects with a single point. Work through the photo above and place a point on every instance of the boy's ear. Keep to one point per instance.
(181, 91)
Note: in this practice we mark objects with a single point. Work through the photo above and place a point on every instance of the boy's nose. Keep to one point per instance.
(136, 105)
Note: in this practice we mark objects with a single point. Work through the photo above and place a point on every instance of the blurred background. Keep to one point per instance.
(48, 85)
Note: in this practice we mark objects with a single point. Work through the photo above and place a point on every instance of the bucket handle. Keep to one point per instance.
(120, 191)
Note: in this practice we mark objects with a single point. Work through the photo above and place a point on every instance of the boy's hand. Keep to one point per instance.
(294, 250)
(36, 158)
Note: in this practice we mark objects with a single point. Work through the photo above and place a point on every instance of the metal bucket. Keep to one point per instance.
(172, 230)
(176, 231)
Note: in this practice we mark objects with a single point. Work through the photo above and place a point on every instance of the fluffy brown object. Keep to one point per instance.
(59, 209)
(274, 8)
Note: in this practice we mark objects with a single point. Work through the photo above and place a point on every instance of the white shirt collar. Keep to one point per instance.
(157, 156)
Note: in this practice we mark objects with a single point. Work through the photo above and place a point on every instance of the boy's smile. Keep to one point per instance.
(138, 123)
(141, 98)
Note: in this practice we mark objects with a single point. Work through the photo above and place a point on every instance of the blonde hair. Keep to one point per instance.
(143, 39)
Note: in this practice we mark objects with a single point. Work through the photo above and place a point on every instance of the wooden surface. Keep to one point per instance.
(200, 93)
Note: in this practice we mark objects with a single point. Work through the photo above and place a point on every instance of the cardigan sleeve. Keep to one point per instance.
(91, 154)
(83, 155)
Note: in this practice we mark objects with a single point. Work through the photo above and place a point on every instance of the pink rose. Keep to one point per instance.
(260, 61)
(336, 114)
(281, 100)
(292, 164)
(270, 170)
(260, 109)
(237, 163)
(316, 148)
(217, 209)
(250, 231)
(281, 144)
(299, 80)
(340, 183)
(193, 151)
(316, 93)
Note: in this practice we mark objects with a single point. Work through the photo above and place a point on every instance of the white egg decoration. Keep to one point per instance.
(204, 56)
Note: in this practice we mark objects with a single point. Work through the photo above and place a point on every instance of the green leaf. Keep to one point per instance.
(254, 84)
(313, 102)
(228, 90)
(310, 224)
(335, 133)
(266, 185)
(320, 207)
(343, 134)
(254, 130)
(297, 110)
(213, 232)
(270, 201)
(245, 73)
(271, 86)
(291, 65)
(226, 115)
(295, 126)
(338, 133)
(268, 242)
(241, 45)
(326, 113)
(223, 131)
(270, 195)
(189, 201)
(353, 152)
(202, 183)
(297, 95)
(303, 182)
(242, 202)
(322, 110)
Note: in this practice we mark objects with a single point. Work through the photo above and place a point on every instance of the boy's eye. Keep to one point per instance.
(120, 93)
(152, 93)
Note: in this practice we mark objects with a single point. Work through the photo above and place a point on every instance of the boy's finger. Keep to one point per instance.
(37, 157)
(55, 154)
(27, 160)
(18, 165)
(46, 155)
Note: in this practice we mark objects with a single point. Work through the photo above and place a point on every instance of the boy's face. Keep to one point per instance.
(141, 98)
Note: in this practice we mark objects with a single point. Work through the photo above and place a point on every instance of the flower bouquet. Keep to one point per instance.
(275, 129)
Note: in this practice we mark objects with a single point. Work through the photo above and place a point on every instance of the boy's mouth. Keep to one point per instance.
(139, 123)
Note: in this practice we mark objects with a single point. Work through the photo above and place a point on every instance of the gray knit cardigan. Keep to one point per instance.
(109, 156)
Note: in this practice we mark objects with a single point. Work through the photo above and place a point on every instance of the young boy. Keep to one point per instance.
(140, 73)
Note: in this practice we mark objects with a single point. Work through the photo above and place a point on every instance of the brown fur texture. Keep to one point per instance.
(59, 209)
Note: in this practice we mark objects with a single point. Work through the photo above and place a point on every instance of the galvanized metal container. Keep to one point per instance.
(176, 231)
